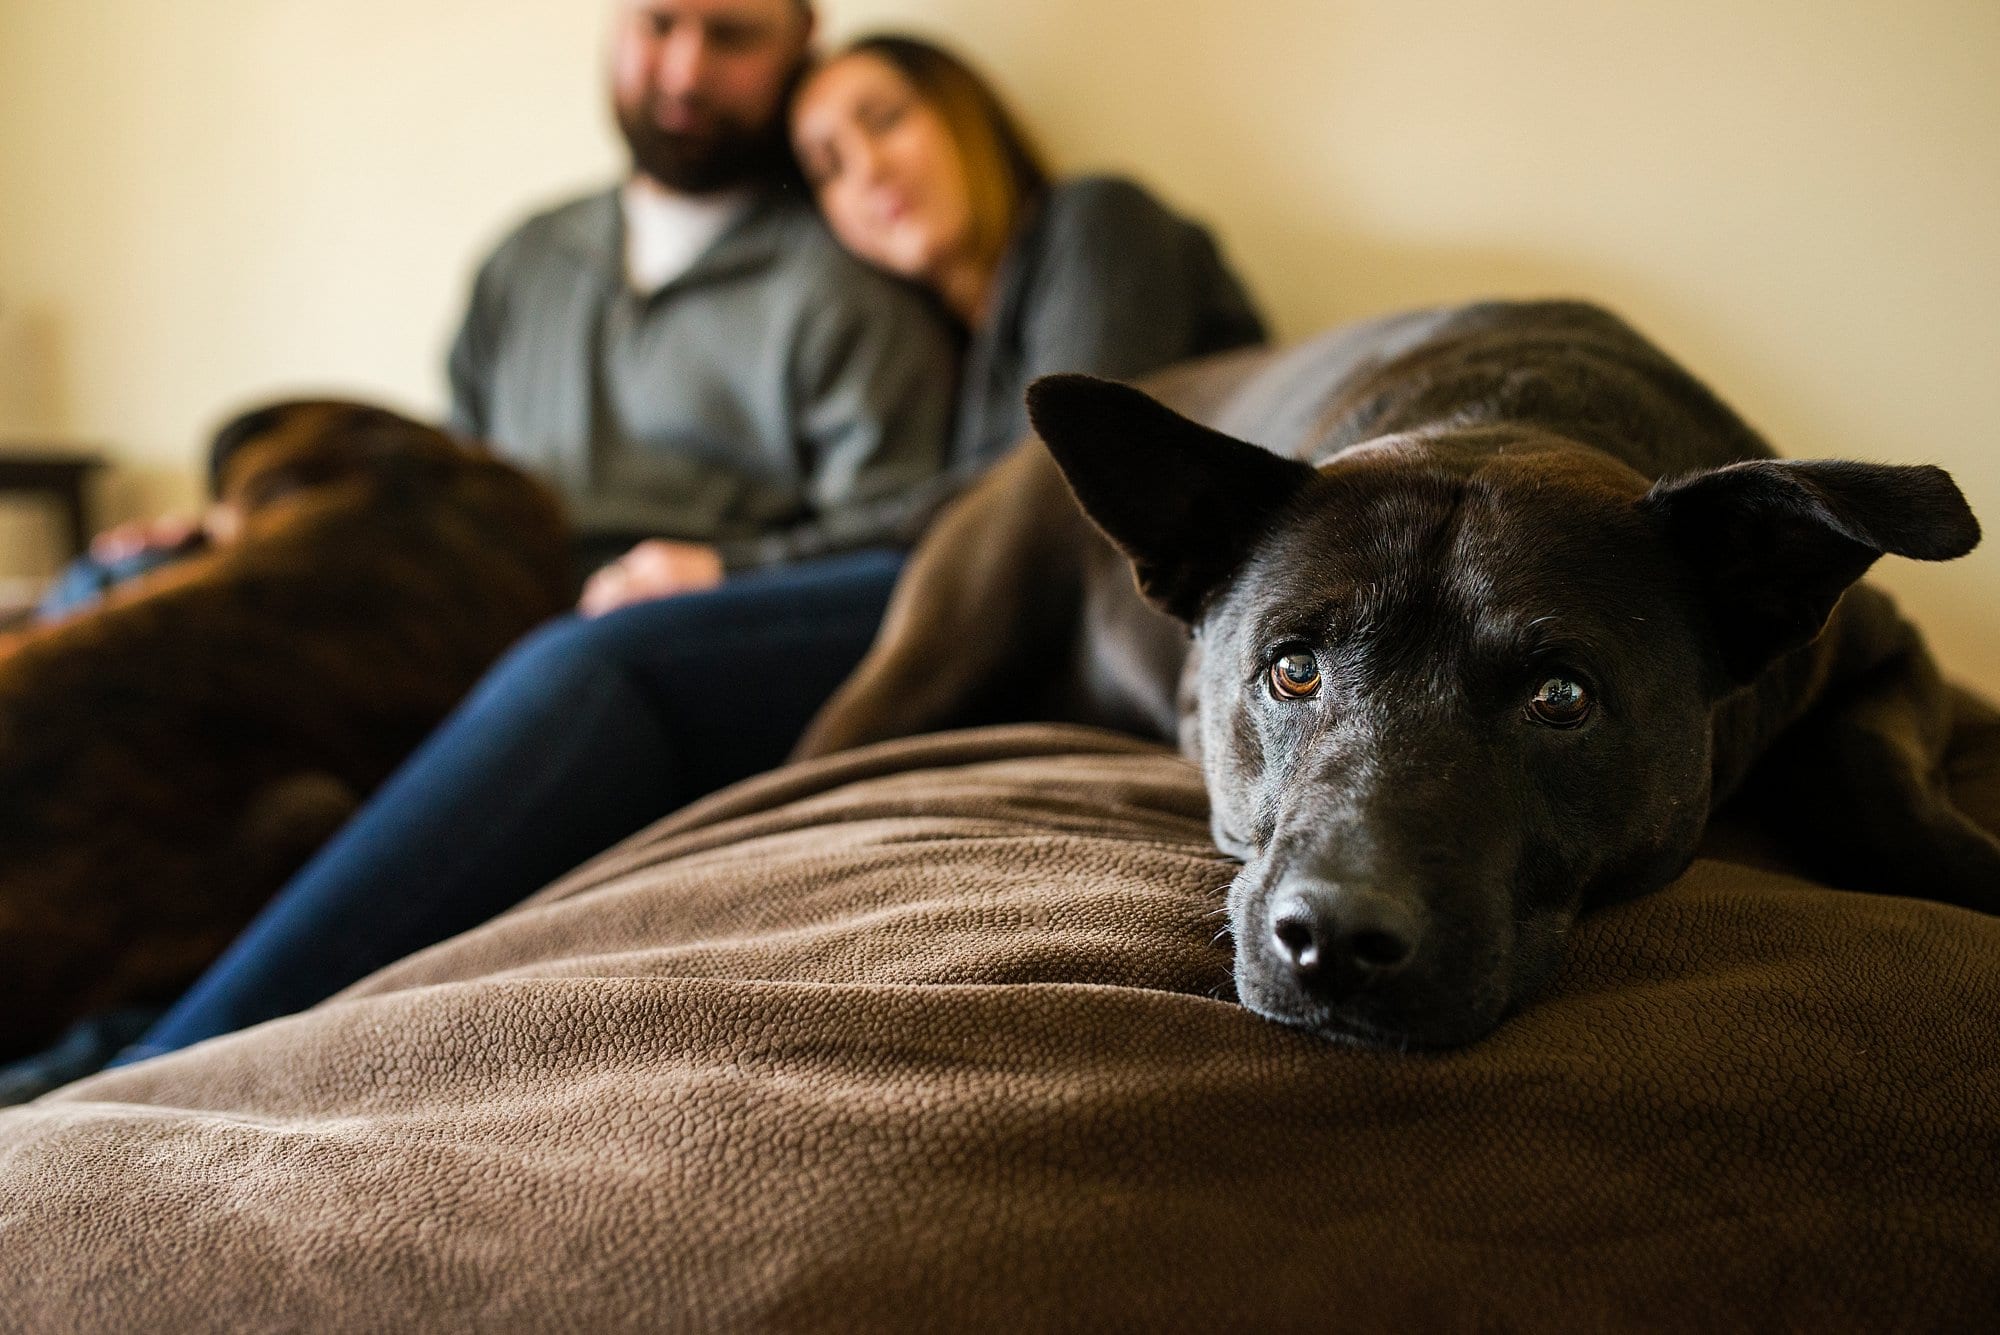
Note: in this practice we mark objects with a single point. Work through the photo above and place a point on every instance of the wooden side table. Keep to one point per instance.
(54, 472)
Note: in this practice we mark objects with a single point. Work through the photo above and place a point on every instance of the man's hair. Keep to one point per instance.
(1004, 171)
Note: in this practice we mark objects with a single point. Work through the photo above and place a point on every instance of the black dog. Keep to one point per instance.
(1532, 608)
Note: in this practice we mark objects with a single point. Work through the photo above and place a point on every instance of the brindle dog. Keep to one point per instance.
(170, 757)
(1532, 605)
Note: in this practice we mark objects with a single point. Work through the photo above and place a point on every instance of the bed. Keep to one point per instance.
(939, 1034)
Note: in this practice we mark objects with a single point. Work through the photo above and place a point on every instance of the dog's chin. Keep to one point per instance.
(1441, 1029)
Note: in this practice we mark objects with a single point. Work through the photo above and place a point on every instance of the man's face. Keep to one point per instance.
(697, 85)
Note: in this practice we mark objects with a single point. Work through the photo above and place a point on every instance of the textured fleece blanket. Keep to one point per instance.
(937, 1035)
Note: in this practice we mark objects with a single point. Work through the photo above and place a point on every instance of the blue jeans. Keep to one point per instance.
(585, 732)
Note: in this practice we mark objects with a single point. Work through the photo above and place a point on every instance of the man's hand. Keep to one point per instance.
(138, 535)
(655, 568)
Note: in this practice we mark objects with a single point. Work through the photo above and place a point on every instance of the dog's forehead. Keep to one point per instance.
(1464, 528)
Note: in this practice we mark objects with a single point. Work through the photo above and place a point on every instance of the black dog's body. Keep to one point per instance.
(1473, 669)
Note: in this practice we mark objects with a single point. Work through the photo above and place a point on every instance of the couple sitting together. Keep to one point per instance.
(751, 405)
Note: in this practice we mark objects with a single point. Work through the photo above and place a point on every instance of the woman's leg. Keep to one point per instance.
(585, 732)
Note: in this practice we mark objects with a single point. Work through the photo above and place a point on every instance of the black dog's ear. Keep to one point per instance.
(1185, 503)
(1776, 542)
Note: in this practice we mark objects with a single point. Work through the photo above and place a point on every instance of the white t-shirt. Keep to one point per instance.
(665, 232)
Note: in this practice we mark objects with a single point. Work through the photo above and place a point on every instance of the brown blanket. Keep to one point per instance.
(935, 1035)
(172, 755)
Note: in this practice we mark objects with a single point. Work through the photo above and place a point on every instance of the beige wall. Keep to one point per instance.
(205, 201)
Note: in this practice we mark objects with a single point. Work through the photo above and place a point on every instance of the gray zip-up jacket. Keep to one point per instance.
(1101, 278)
(775, 400)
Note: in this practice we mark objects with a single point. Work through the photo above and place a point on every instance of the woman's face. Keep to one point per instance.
(886, 171)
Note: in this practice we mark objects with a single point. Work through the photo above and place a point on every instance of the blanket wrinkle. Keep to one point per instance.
(929, 1037)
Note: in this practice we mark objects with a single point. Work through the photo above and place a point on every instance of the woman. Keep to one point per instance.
(594, 726)
(921, 171)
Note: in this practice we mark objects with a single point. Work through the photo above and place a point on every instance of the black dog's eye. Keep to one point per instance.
(1295, 674)
(1561, 703)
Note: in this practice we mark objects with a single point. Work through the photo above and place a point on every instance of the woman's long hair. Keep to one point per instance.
(1003, 169)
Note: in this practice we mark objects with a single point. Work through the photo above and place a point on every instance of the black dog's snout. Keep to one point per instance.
(1336, 936)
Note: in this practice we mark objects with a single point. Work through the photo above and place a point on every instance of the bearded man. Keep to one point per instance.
(689, 355)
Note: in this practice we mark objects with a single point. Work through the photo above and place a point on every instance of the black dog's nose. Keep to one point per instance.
(1338, 935)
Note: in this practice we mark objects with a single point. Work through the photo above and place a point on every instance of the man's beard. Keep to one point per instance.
(700, 163)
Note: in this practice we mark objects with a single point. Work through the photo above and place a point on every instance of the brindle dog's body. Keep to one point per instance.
(168, 759)
(1481, 545)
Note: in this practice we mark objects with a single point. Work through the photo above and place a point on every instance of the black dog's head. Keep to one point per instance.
(1453, 686)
